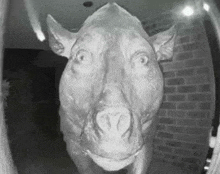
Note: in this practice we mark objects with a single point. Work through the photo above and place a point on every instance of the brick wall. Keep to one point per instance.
(188, 104)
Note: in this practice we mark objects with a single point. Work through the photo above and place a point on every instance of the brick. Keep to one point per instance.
(164, 99)
(166, 120)
(185, 72)
(169, 74)
(186, 105)
(168, 105)
(175, 81)
(196, 130)
(204, 88)
(158, 156)
(178, 48)
(194, 63)
(203, 70)
(168, 90)
(182, 152)
(164, 135)
(176, 97)
(198, 29)
(194, 167)
(164, 149)
(176, 113)
(171, 157)
(161, 127)
(197, 114)
(183, 56)
(204, 122)
(203, 139)
(205, 106)
(168, 66)
(162, 112)
(191, 46)
(178, 164)
(185, 137)
(186, 89)
(201, 53)
(199, 153)
(158, 141)
(181, 25)
(193, 146)
(173, 143)
(197, 79)
(185, 122)
(199, 97)
(175, 129)
(197, 37)
(204, 45)
(197, 23)
(185, 31)
(191, 160)
(210, 115)
(183, 40)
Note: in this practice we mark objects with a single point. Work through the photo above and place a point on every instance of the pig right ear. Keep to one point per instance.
(164, 44)
(60, 39)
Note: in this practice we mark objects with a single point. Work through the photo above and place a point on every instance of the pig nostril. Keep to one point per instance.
(123, 124)
(103, 122)
(113, 123)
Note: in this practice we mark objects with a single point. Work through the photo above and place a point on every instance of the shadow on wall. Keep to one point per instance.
(184, 118)
(32, 115)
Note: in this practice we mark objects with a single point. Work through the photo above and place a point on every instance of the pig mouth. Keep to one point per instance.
(109, 145)
(111, 164)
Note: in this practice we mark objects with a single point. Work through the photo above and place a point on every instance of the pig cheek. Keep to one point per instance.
(75, 93)
(149, 90)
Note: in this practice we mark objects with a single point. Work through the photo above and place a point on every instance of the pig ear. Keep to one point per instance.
(164, 43)
(60, 39)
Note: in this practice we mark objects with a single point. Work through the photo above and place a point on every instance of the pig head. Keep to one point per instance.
(110, 90)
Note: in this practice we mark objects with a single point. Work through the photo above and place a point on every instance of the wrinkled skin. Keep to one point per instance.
(110, 90)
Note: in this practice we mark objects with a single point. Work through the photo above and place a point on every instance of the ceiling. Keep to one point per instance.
(71, 14)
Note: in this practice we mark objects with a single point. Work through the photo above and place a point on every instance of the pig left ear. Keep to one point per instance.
(60, 39)
(163, 44)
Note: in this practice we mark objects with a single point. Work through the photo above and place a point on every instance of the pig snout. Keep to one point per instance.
(114, 121)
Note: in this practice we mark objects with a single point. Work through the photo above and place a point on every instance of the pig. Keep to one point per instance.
(110, 89)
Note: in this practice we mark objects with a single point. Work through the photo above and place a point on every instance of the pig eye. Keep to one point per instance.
(83, 57)
(140, 59)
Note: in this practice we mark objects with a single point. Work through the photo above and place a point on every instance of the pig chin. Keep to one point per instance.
(113, 156)
(111, 150)
(112, 164)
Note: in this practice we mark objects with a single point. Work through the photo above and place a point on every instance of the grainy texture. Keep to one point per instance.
(215, 163)
(6, 164)
(189, 94)
(107, 105)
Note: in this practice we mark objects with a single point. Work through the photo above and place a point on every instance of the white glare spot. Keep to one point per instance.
(212, 141)
(206, 7)
(34, 20)
(208, 160)
(206, 168)
(188, 11)
(40, 35)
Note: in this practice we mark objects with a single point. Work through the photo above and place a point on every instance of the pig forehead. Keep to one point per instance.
(94, 36)
(118, 40)
(93, 40)
(133, 38)
(98, 38)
